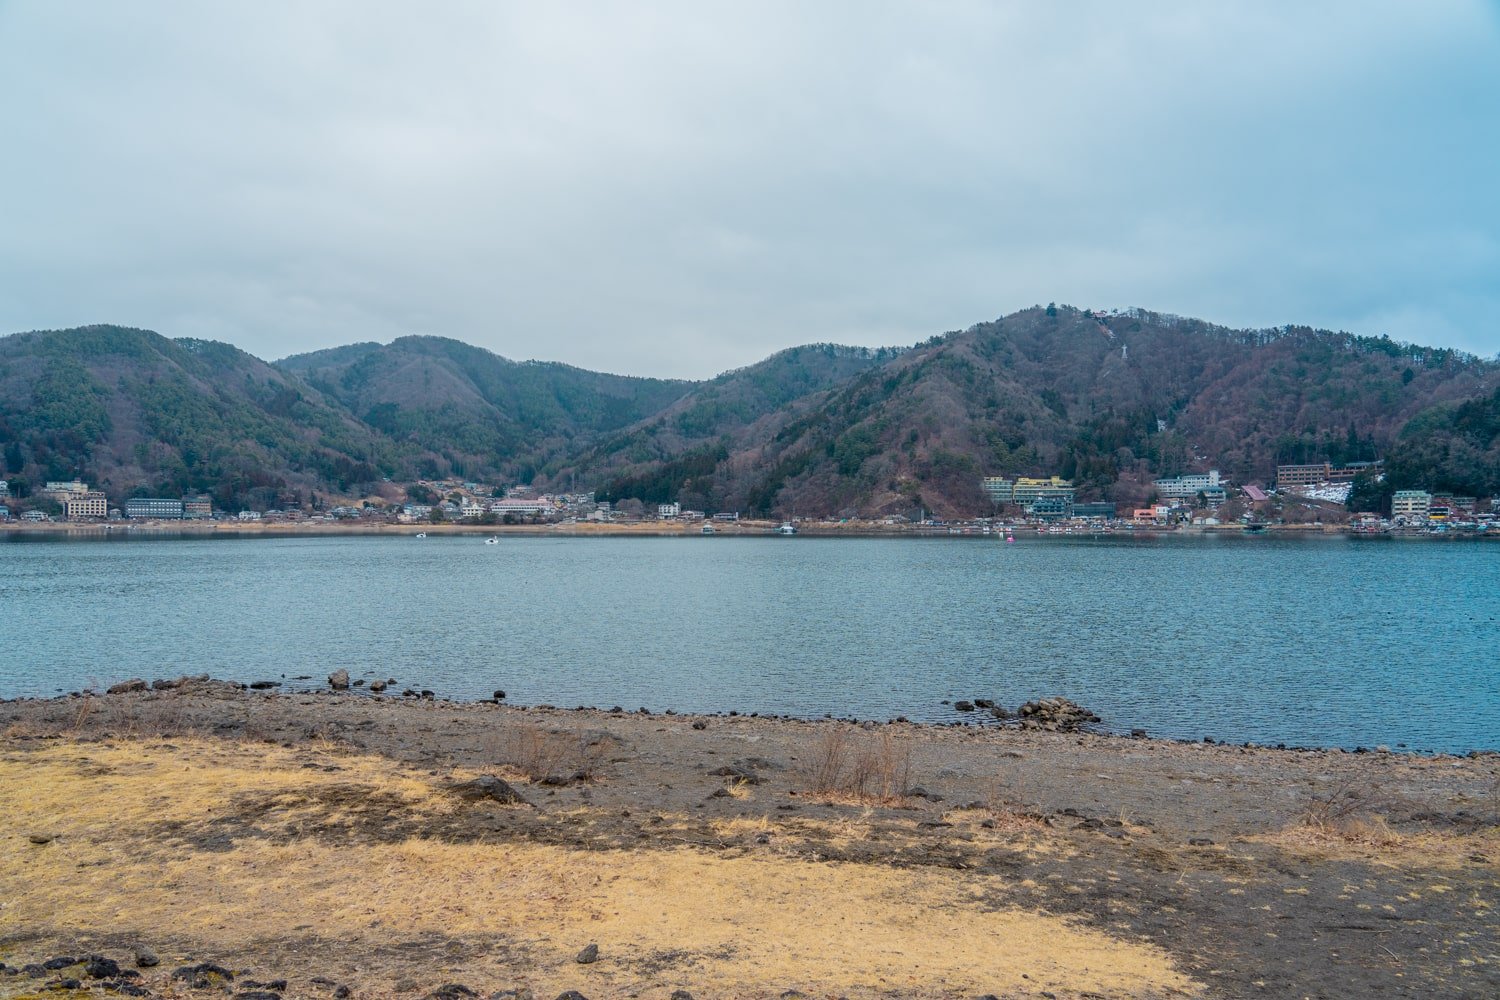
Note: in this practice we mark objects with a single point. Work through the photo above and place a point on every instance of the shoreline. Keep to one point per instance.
(977, 720)
(330, 837)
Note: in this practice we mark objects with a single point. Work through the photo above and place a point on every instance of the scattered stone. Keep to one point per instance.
(571, 995)
(145, 957)
(588, 955)
(34, 970)
(519, 993)
(60, 962)
(341, 993)
(984, 703)
(264, 685)
(65, 984)
(1137, 734)
(99, 967)
(488, 787)
(700, 724)
(918, 792)
(339, 680)
(743, 775)
(41, 838)
(378, 686)
(681, 995)
(128, 687)
(963, 706)
(1200, 842)
(257, 995)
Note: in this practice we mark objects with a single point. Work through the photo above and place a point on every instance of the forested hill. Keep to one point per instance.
(130, 410)
(472, 413)
(1111, 400)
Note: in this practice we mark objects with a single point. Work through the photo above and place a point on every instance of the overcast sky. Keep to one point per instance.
(678, 189)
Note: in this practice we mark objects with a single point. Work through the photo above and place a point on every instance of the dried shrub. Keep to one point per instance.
(540, 754)
(1351, 811)
(871, 770)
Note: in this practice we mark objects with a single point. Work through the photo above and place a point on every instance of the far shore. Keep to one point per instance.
(684, 529)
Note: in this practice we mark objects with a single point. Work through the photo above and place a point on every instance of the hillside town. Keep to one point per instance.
(1304, 495)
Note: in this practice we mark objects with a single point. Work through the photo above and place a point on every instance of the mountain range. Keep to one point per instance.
(1111, 400)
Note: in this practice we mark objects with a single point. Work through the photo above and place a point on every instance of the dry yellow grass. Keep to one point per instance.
(736, 926)
(1371, 839)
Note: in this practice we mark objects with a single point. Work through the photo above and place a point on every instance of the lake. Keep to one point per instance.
(1305, 641)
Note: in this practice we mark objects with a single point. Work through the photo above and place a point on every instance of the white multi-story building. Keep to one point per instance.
(1410, 505)
(1187, 486)
(65, 489)
(665, 510)
(77, 506)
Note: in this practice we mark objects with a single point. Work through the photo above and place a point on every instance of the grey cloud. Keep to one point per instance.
(681, 188)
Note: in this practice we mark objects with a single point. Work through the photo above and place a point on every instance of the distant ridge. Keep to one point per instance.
(1109, 399)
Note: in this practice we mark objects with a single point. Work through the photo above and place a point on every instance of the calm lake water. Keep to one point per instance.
(1309, 641)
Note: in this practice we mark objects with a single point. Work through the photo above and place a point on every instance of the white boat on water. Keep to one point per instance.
(420, 534)
(492, 540)
(787, 529)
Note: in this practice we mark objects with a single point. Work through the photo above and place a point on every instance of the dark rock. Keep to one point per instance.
(41, 838)
(132, 990)
(918, 792)
(451, 991)
(760, 764)
(571, 995)
(681, 995)
(339, 680)
(277, 985)
(963, 706)
(204, 975)
(984, 703)
(743, 775)
(700, 724)
(359, 683)
(66, 984)
(341, 993)
(1200, 842)
(257, 995)
(1057, 715)
(127, 687)
(99, 967)
(588, 955)
(487, 787)
(1138, 734)
(264, 685)
(33, 970)
(519, 993)
(378, 686)
(60, 962)
(321, 981)
(145, 957)
(499, 695)
(428, 694)
(162, 684)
